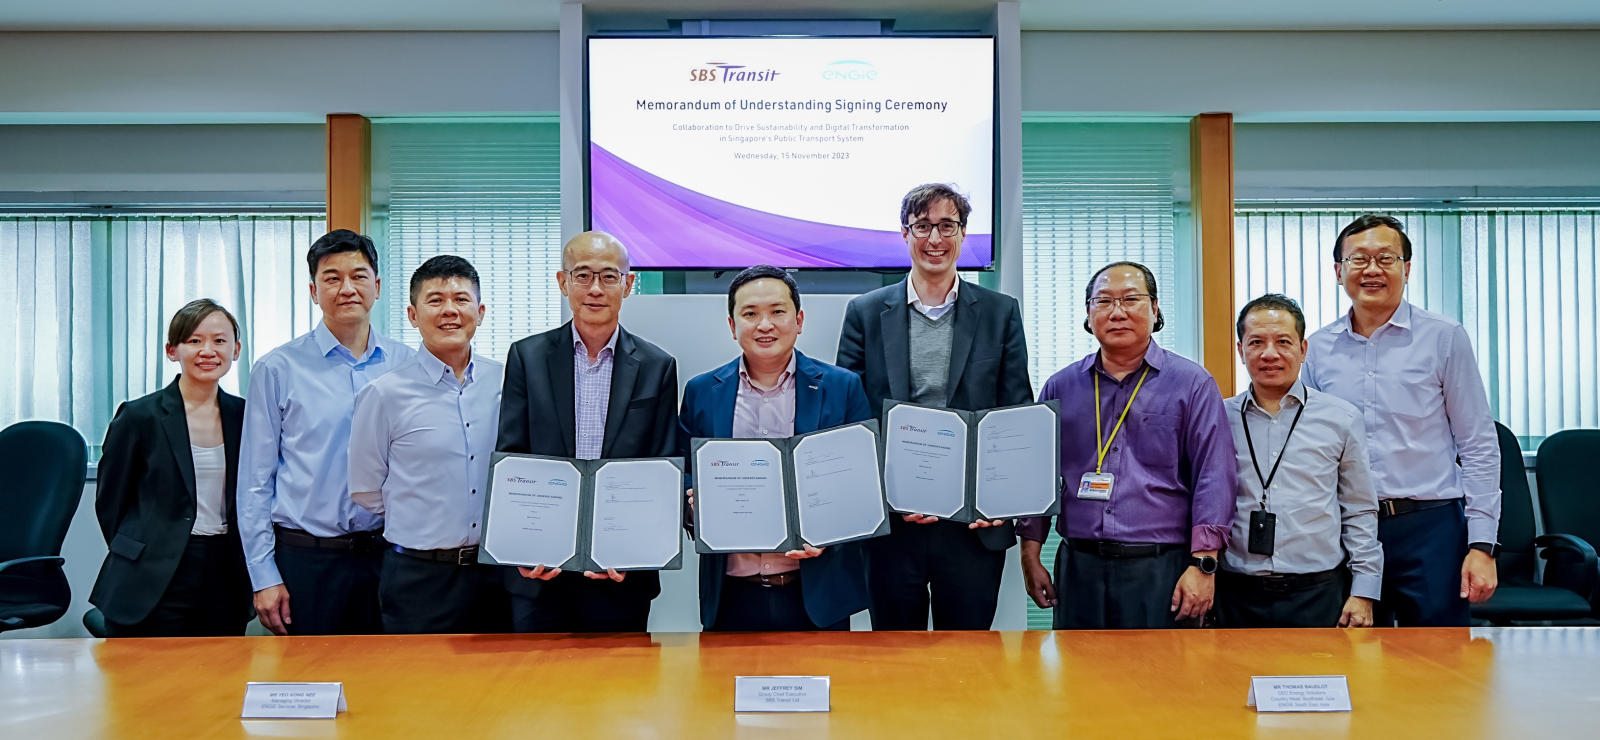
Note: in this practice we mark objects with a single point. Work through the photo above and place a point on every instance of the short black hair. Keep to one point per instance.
(443, 266)
(188, 318)
(923, 198)
(1369, 222)
(752, 274)
(339, 241)
(1273, 302)
(1149, 284)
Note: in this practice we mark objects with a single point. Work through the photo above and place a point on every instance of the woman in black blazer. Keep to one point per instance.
(164, 495)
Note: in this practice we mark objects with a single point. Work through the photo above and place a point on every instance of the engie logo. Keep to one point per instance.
(850, 70)
(725, 73)
(760, 464)
(909, 428)
(946, 433)
(723, 464)
(558, 482)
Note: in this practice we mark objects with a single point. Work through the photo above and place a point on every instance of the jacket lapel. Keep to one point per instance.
(560, 358)
(966, 325)
(807, 394)
(896, 342)
(232, 408)
(723, 396)
(175, 426)
(624, 373)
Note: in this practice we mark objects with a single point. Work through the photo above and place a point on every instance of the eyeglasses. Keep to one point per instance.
(608, 278)
(923, 229)
(1360, 261)
(1131, 302)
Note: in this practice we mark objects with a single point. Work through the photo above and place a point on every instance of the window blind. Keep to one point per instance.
(487, 192)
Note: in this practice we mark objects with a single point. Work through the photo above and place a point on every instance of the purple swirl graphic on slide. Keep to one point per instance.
(666, 225)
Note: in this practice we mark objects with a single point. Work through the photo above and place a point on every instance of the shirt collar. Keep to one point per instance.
(1154, 356)
(327, 344)
(611, 344)
(1401, 319)
(436, 370)
(1297, 392)
(913, 300)
(744, 375)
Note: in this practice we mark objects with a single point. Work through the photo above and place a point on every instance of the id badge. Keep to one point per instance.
(1096, 486)
(1263, 530)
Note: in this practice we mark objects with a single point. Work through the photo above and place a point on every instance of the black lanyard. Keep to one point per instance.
(1266, 483)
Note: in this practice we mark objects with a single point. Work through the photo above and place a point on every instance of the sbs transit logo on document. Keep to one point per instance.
(909, 428)
(723, 464)
(725, 73)
(520, 479)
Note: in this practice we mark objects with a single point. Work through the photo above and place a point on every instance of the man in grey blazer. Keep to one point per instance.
(934, 340)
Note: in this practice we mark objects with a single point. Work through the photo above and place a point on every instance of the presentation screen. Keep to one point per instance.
(714, 153)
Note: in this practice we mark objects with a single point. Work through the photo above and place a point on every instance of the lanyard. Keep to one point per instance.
(1105, 445)
(1266, 482)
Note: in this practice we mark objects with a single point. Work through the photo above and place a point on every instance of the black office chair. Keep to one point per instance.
(42, 483)
(1569, 494)
(1564, 594)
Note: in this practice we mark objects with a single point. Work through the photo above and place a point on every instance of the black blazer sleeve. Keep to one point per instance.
(852, 353)
(665, 423)
(514, 406)
(1015, 387)
(120, 470)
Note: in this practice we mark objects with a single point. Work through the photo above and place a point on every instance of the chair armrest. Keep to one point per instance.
(52, 559)
(1572, 565)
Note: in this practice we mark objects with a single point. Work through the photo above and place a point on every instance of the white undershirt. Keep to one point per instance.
(210, 480)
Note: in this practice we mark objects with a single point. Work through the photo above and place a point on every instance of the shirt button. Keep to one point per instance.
(472, 457)
(1108, 511)
(1369, 373)
(474, 525)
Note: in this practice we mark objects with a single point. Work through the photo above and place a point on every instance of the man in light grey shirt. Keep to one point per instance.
(1306, 497)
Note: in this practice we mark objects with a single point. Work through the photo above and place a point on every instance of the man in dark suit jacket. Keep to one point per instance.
(773, 390)
(588, 389)
(936, 341)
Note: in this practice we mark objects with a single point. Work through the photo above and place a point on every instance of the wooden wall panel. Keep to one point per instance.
(1211, 172)
(349, 171)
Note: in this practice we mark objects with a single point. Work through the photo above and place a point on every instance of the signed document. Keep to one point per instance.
(968, 465)
(583, 514)
(760, 495)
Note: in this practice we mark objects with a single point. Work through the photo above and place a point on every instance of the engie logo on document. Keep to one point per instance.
(850, 70)
(760, 464)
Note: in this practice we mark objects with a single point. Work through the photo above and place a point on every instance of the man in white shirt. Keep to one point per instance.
(1412, 375)
(419, 456)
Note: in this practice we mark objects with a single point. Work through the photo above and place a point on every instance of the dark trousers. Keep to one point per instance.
(1256, 601)
(943, 565)
(197, 602)
(1094, 592)
(1422, 556)
(424, 597)
(747, 606)
(331, 592)
(573, 602)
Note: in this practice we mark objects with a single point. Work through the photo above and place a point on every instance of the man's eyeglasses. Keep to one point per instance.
(1130, 303)
(923, 229)
(608, 278)
(1360, 261)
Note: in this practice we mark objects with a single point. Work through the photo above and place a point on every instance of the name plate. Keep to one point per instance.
(1299, 694)
(781, 694)
(293, 700)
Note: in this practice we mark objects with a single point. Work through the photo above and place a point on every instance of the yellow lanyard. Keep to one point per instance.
(1105, 445)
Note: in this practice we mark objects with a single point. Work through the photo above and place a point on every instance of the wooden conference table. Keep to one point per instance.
(1414, 684)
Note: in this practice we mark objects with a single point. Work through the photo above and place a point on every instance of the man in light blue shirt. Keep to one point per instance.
(303, 536)
(419, 456)
(1412, 375)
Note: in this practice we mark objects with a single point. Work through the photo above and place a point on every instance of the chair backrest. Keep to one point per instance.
(1517, 531)
(42, 466)
(1569, 489)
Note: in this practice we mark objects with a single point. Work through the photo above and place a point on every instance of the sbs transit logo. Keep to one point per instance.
(520, 479)
(909, 428)
(723, 464)
(725, 73)
(850, 70)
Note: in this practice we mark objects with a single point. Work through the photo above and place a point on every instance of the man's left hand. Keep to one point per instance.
(1192, 597)
(611, 574)
(1357, 613)
(981, 523)
(809, 552)
(1479, 578)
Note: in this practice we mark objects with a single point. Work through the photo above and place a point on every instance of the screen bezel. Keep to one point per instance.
(994, 158)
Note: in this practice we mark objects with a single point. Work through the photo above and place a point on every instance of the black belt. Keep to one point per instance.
(456, 555)
(1109, 549)
(774, 579)
(1396, 506)
(1287, 581)
(359, 542)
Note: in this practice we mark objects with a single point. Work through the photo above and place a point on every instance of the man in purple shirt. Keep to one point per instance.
(1148, 461)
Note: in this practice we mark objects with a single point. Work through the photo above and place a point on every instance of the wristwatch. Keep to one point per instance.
(1487, 548)
(1207, 564)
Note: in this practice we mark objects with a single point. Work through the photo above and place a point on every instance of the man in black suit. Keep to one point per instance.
(589, 390)
(934, 340)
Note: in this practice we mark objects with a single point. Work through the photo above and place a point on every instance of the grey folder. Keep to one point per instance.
(526, 527)
(784, 449)
(1045, 492)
